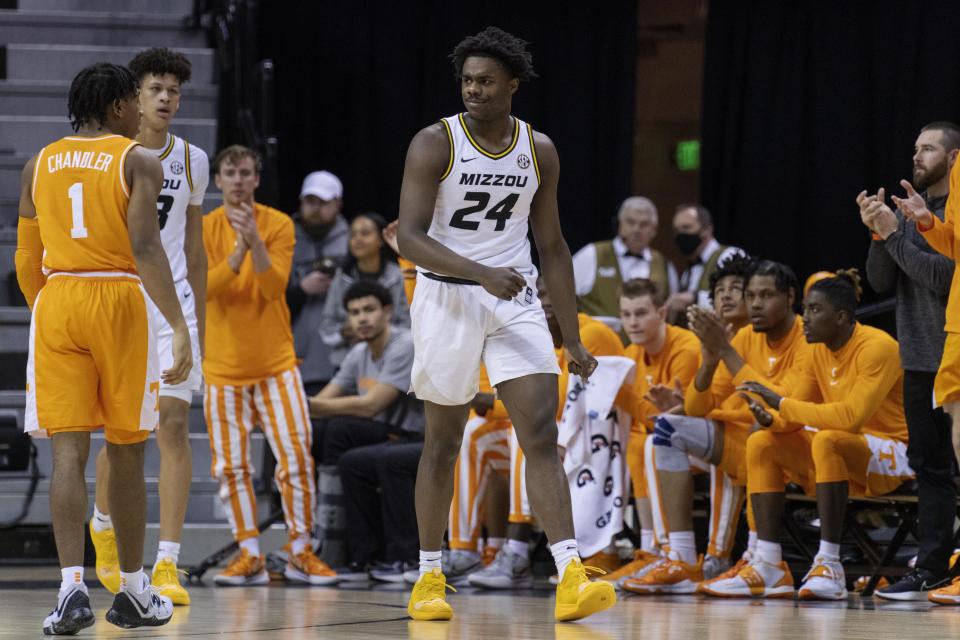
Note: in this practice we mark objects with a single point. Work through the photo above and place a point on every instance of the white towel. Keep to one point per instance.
(596, 442)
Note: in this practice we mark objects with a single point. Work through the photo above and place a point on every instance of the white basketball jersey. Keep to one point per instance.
(186, 173)
(483, 202)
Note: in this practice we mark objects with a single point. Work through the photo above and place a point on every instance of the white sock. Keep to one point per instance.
(101, 521)
(70, 576)
(646, 540)
(252, 545)
(769, 552)
(564, 552)
(684, 545)
(168, 550)
(752, 542)
(429, 560)
(829, 551)
(518, 547)
(297, 545)
(496, 543)
(135, 581)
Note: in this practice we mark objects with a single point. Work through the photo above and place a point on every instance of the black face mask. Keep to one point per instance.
(687, 243)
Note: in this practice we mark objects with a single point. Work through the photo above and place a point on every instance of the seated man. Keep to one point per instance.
(717, 422)
(511, 567)
(366, 402)
(850, 391)
(666, 358)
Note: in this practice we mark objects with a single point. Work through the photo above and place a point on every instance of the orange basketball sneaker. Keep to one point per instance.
(946, 595)
(641, 561)
(755, 579)
(672, 576)
(244, 570)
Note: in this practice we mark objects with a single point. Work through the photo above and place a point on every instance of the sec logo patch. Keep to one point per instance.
(523, 161)
(176, 167)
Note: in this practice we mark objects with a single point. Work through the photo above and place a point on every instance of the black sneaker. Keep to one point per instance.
(916, 585)
(72, 614)
(392, 571)
(145, 609)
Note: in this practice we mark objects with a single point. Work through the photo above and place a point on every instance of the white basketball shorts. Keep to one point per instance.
(194, 382)
(457, 325)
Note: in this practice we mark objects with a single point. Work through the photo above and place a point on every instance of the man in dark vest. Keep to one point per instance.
(600, 268)
(693, 235)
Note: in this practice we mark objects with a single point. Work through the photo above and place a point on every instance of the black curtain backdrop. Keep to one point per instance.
(355, 80)
(805, 104)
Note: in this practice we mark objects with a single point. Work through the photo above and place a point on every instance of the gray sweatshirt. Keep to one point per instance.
(334, 315)
(922, 279)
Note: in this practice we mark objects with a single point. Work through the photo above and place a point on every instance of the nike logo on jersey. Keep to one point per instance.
(187, 294)
(469, 159)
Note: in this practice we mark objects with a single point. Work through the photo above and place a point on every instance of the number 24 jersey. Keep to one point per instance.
(483, 202)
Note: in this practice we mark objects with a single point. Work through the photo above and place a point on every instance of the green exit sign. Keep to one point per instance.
(687, 155)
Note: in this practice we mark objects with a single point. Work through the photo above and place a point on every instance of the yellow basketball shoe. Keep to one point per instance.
(108, 564)
(579, 597)
(167, 582)
(428, 600)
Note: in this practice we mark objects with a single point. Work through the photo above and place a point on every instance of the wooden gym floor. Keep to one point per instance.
(28, 595)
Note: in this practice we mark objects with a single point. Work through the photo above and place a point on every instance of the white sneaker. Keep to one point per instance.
(826, 580)
(458, 564)
(72, 614)
(507, 571)
(145, 609)
(756, 579)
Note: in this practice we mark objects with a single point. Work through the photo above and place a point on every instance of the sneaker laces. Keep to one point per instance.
(821, 569)
(594, 570)
(169, 571)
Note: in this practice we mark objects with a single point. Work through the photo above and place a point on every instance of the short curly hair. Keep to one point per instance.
(493, 42)
(160, 61)
(738, 265)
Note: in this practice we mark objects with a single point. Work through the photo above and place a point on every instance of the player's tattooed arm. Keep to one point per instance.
(427, 159)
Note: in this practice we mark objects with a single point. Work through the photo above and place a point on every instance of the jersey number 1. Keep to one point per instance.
(75, 192)
(500, 212)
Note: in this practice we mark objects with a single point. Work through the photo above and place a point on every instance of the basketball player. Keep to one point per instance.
(471, 185)
(185, 175)
(850, 391)
(88, 222)
(718, 421)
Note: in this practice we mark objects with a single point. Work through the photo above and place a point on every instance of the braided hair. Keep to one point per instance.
(843, 291)
(493, 42)
(95, 89)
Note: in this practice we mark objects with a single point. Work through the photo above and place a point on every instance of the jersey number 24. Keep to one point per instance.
(500, 212)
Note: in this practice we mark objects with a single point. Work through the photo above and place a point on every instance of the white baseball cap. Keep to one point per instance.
(322, 184)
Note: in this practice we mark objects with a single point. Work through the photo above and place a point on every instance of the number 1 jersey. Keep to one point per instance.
(186, 173)
(483, 202)
(81, 197)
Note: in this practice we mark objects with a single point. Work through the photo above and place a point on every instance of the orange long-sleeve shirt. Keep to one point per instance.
(771, 364)
(943, 237)
(248, 335)
(677, 360)
(857, 389)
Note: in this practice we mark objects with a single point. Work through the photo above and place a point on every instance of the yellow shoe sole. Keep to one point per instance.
(596, 598)
(440, 615)
(178, 595)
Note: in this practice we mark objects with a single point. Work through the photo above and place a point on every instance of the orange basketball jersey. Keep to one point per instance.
(81, 197)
